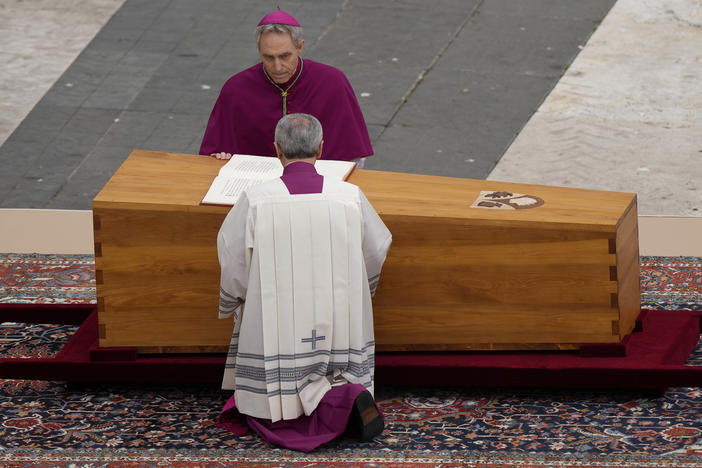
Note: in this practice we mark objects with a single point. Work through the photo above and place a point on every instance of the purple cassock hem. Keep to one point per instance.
(231, 419)
(327, 422)
(302, 177)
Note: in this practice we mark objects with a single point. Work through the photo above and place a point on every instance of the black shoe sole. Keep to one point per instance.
(370, 422)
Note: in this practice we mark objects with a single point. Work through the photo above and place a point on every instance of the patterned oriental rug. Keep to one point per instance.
(56, 424)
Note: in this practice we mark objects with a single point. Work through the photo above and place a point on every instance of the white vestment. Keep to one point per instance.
(297, 274)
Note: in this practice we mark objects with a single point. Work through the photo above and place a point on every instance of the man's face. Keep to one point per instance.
(279, 55)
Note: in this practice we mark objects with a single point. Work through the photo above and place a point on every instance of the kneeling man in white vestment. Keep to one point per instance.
(300, 258)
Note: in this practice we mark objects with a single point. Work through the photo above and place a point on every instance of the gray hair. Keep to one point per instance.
(298, 136)
(294, 31)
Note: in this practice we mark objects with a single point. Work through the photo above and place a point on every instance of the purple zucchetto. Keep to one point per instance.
(279, 17)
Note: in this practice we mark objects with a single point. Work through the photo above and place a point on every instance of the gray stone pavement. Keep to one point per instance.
(445, 86)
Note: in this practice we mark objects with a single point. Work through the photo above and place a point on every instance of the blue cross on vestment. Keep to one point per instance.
(314, 339)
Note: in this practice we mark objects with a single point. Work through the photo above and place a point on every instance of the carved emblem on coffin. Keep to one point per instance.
(506, 201)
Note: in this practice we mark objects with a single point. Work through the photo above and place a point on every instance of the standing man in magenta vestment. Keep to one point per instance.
(251, 102)
(300, 258)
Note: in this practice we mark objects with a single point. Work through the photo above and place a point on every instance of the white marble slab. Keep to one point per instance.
(627, 114)
(40, 39)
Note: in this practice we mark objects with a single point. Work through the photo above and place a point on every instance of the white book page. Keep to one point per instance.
(227, 190)
(334, 169)
(263, 167)
(252, 167)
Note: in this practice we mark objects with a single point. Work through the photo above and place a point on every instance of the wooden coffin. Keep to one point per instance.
(474, 264)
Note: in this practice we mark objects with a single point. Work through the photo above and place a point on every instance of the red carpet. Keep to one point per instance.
(46, 423)
(654, 358)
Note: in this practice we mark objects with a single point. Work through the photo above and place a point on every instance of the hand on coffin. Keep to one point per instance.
(222, 155)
